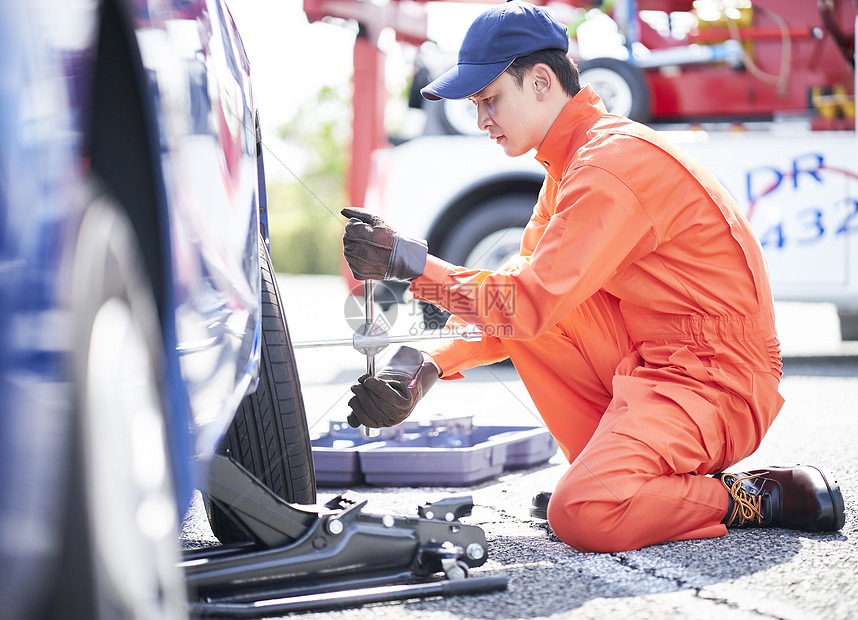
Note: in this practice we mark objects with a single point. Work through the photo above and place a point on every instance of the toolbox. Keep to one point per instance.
(438, 452)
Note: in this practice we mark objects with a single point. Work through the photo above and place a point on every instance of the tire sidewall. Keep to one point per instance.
(120, 567)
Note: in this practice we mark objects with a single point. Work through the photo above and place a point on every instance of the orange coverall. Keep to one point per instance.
(639, 316)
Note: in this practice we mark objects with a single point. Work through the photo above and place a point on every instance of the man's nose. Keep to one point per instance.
(483, 118)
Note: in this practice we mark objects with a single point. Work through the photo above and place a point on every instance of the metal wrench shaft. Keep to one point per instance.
(369, 320)
(362, 341)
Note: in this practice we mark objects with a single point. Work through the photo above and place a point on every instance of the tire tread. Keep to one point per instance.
(274, 445)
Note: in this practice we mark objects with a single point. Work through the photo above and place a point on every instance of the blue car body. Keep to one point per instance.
(163, 87)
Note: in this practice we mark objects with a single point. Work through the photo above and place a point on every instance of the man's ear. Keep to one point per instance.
(542, 80)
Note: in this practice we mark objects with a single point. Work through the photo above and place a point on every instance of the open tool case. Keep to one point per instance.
(439, 452)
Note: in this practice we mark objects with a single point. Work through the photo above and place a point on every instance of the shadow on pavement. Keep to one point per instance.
(547, 578)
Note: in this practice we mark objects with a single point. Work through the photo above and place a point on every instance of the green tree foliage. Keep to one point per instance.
(304, 213)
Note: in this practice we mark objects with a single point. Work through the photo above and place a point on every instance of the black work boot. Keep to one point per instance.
(803, 497)
(539, 505)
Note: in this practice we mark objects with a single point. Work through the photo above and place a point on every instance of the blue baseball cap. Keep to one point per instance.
(495, 39)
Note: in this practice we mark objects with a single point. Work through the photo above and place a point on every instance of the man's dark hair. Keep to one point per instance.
(558, 62)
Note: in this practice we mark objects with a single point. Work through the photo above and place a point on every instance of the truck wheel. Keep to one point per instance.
(490, 234)
(621, 86)
(121, 539)
(460, 117)
(485, 238)
(269, 434)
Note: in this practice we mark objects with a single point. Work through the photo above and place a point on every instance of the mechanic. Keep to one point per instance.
(639, 313)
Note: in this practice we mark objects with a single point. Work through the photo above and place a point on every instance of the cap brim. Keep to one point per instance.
(464, 80)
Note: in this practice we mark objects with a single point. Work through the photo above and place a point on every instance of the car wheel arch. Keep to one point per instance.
(123, 140)
(123, 143)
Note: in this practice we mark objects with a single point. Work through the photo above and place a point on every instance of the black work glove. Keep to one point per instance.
(389, 396)
(374, 251)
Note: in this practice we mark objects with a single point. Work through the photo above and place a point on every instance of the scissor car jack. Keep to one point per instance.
(313, 557)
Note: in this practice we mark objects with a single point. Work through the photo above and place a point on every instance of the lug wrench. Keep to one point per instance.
(370, 339)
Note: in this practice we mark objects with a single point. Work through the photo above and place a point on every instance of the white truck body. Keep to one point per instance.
(799, 190)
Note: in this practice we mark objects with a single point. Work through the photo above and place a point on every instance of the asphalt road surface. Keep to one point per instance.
(752, 573)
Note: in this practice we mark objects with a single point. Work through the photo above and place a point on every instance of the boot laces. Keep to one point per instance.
(746, 508)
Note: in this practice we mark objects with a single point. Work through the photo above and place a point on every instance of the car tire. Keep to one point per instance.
(269, 435)
(121, 545)
(620, 85)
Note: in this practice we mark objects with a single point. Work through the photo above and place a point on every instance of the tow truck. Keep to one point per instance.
(761, 92)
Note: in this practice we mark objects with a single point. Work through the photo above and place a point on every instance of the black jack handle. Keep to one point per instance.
(349, 598)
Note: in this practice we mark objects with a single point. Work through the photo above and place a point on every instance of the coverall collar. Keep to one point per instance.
(569, 131)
